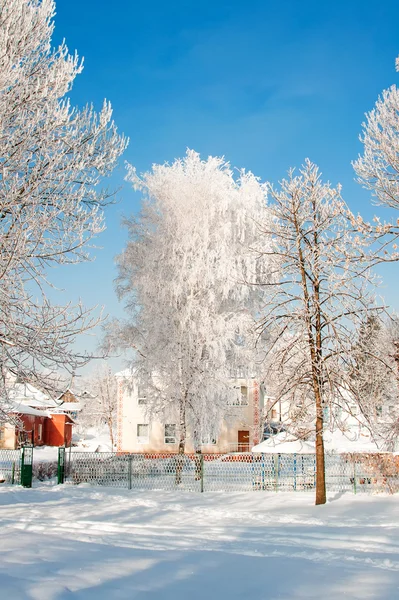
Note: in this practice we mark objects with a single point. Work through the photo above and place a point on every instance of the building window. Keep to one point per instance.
(242, 397)
(274, 414)
(170, 434)
(378, 411)
(39, 432)
(238, 373)
(142, 395)
(208, 440)
(143, 433)
(337, 412)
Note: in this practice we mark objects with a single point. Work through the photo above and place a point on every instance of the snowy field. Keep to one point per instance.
(64, 542)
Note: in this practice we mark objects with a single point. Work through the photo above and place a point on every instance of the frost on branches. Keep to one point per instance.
(100, 405)
(378, 168)
(318, 303)
(52, 157)
(375, 379)
(182, 274)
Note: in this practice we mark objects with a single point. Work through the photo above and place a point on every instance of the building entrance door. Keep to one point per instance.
(243, 441)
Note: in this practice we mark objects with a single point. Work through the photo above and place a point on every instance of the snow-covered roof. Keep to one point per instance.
(66, 415)
(284, 443)
(334, 441)
(350, 441)
(65, 392)
(28, 395)
(85, 394)
(22, 409)
(75, 394)
(70, 406)
(125, 373)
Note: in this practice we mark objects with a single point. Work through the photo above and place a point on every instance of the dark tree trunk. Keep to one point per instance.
(111, 433)
(182, 441)
(320, 459)
(314, 328)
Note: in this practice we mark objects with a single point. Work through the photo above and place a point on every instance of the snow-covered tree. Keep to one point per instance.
(100, 403)
(318, 303)
(393, 430)
(52, 158)
(375, 377)
(378, 167)
(182, 274)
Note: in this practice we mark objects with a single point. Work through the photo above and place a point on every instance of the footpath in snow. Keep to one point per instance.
(64, 542)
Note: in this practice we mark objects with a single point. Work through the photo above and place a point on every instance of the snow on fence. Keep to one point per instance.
(230, 472)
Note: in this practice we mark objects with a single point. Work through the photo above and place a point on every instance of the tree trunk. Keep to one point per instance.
(182, 441)
(320, 459)
(111, 433)
(317, 371)
(198, 467)
(313, 322)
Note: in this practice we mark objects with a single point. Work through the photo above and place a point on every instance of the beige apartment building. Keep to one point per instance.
(238, 432)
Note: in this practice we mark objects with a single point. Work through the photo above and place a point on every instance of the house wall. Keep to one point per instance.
(30, 431)
(238, 418)
(68, 432)
(8, 438)
(68, 396)
(58, 431)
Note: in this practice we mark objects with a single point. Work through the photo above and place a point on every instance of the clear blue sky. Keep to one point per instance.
(266, 84)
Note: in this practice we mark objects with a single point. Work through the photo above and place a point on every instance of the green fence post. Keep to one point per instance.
(13, 473)
(27, 466)
(61, 465)
(130, 460)
(202, 472)
(21, 474)
(354, 476)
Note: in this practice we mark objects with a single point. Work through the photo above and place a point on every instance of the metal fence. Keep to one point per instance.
(10, 466)
(138, 471)
(229, 472)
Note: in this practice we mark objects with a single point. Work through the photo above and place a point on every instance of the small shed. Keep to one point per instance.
(36, 427)
(26, 425)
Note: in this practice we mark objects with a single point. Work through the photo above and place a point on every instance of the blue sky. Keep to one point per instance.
(266, 84)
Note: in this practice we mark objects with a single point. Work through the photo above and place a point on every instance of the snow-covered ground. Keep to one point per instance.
(62, 542)
(92, 441)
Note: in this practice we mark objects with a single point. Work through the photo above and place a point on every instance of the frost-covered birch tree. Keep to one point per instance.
(391, 432)
(52, 158)
(318, 303)
(100, 404)
(191, 316)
